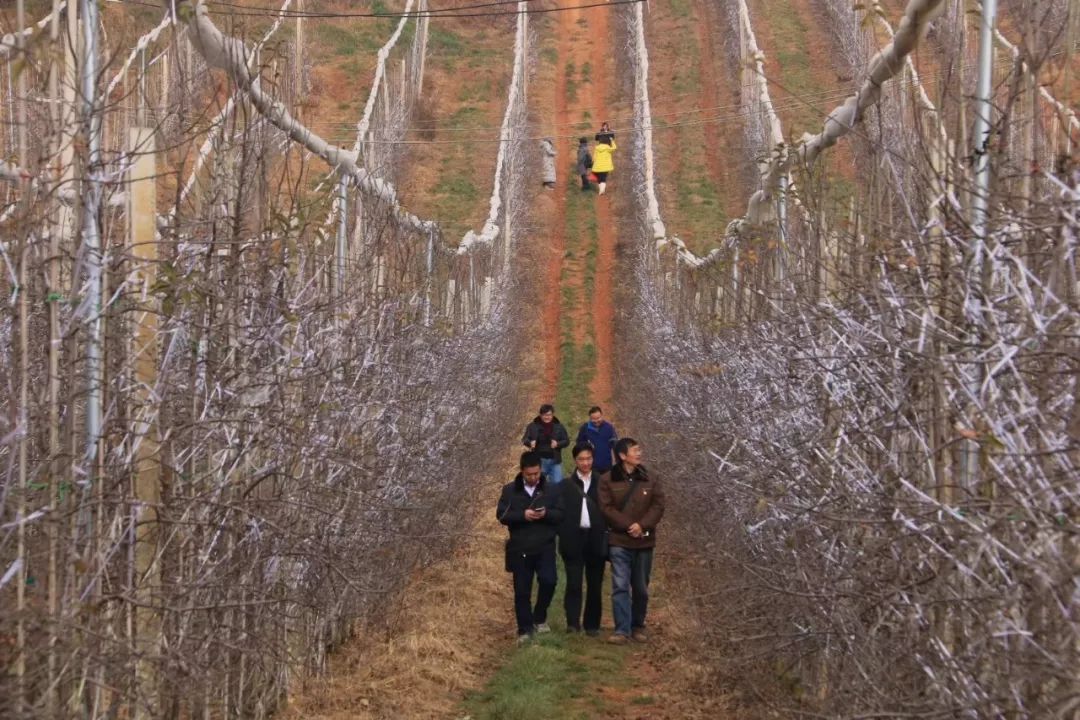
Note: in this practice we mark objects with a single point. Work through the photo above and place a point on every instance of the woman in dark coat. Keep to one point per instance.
(605, 136)
(584, 162)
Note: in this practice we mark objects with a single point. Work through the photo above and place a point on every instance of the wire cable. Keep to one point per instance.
(448, 13)
(326, 13)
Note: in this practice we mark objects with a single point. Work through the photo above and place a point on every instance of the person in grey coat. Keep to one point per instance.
(584, 162)
(547, 146)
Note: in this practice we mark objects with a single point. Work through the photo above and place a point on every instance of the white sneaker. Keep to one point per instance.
(524, 638)
(543, 628)
(603, 187)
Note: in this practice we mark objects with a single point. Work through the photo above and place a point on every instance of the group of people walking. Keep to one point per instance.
(607, 510)
(600, 163)
(593, 164)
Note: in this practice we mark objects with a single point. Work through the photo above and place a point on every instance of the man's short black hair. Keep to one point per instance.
(583, 141)
(547, 408)
(595, 408)
(624, 445)
(583, 447)
(530, 459)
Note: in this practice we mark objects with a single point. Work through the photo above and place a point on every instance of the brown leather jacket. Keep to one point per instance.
(645, 507)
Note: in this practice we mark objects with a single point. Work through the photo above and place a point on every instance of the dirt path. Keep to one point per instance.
(807, 78)
(581, 312)
(698, 137)
(451, 652)
(603, 311)
(447, 637)
(554, 272)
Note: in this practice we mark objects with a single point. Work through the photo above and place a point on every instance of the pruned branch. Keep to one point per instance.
(231, 55)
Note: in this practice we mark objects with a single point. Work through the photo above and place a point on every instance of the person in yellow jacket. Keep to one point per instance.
(602, 163)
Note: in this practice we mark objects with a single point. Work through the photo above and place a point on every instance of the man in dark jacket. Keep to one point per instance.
(602, 435)
(547, 437)
(633, 503)
(532, 512)
(581, 542)
(584, 162)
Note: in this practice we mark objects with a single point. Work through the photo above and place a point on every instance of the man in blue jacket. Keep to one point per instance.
(602, 435)
(532, 512)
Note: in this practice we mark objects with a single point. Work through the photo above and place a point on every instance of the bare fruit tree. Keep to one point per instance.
(877, 404)
(242, 446)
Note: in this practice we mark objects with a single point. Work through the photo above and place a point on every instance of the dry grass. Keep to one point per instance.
(453, 625)
(450, 630)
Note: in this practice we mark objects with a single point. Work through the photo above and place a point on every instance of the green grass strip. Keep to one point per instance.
(554, 676)
(558, 675)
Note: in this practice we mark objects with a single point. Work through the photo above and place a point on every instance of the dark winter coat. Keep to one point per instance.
(529, 537)
(605, 138)
(603, 440)
(570, 541)
(646, 507)
(584, 159)
(535, 431)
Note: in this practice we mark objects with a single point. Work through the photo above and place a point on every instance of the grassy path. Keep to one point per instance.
(451, 653)
(466, 77)
(697, 127)
(806, 82)
(575, 676)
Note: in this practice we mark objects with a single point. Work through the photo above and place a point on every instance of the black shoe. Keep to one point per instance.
(573, 629)
(592, 633)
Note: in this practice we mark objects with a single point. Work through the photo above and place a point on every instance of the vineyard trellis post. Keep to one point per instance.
(429, 282)
(91, 236)
(21, 415)
(524, 75)
(981, 134)
(142, 193)
(298, 63)
(62, 84)
(781, 240)
(507, 201)
(980, 203)
(341, 240)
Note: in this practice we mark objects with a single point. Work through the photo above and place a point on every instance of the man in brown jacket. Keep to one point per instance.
(632, 502)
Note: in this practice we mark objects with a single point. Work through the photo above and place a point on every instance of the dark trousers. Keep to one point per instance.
(585, 181)
(592, 569)
(524, 567)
